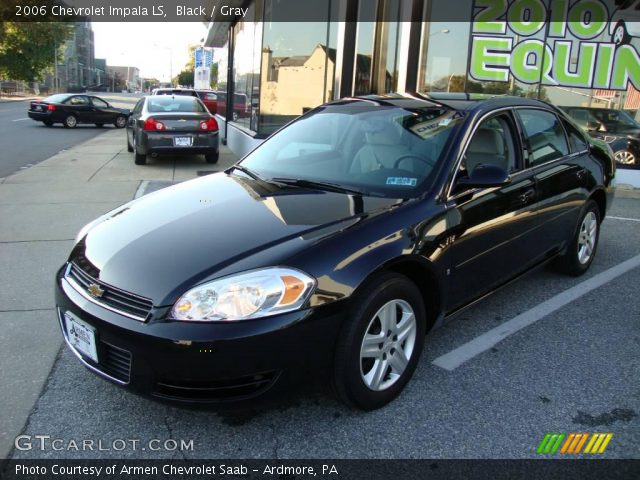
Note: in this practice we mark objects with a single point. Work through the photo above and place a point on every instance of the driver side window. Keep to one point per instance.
(492, 144)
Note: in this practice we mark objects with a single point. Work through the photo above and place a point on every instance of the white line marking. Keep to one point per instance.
(455, 358)
(20, 119)
(624, 218)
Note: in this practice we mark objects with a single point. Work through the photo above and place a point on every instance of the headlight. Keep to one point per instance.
(258, 293)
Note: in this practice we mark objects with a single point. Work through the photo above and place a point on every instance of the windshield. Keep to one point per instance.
(626, 119)
(381, 151)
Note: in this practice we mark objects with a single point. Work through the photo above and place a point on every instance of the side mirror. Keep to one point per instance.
(485, 176)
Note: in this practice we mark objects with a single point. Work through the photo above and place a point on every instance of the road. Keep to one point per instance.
(573, 370)
(18, 131)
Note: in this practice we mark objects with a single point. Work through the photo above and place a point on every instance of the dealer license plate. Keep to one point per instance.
(182, 141)
(81, 336)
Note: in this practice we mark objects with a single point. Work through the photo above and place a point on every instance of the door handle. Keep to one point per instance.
(527, 196)
(581, 173)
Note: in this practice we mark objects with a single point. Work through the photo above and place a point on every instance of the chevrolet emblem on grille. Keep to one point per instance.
(95, 290)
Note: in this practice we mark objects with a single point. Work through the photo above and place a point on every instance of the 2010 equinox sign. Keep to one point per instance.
(555, 44)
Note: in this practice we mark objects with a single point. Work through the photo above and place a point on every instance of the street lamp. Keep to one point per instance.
(170, 61)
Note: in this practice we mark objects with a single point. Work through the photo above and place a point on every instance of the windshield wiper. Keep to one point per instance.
(246, 171)
(331, 187)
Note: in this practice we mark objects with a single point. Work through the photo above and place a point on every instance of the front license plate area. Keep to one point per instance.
(81, 336)
(182, 141)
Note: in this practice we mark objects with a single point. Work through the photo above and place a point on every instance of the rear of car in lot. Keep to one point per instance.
(166, 124)
(330, 250)
(72, 109)
(615, 127)
(241, 107)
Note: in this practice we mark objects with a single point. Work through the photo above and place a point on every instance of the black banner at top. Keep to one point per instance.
(585, 11)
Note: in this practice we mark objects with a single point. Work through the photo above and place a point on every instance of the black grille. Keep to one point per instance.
(115, 362)
(118, 300)
(217, 390)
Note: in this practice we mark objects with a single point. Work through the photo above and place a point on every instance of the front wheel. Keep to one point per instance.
(584, 242)
(379, 347)
(625, 157)
(48, 123)
(99, 125)
(120, 122)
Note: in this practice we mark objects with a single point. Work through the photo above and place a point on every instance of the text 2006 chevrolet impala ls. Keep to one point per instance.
(331, 249)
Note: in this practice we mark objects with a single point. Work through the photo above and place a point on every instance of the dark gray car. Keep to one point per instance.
(171, 124)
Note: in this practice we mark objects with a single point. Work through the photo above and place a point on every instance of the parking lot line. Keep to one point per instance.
(460, 355)
(625, 219)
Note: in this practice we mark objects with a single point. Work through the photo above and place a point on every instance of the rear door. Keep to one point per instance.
(556, 158)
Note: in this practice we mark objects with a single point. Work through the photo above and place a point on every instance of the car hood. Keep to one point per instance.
(163, 243)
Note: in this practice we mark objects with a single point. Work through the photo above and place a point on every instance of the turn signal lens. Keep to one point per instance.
(153, 125)
(255, 294)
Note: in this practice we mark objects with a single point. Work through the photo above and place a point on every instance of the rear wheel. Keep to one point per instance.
(99, 125)
(138, 158)
(212, 158)
(584, 242)
(620, 35)
(379, 347)
(625, 157)
(70, 121)
(48, 123)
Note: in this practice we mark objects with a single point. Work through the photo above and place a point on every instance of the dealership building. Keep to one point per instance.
(284, 57)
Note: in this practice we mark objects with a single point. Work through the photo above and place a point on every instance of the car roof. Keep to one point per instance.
(454, 101)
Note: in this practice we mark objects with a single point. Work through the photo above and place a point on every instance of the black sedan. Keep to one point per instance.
(331, 249)
(172, 124)
(71, 109)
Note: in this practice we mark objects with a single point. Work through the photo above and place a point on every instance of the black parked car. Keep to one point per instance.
(331, 249)
(167, 124)
(72, 109)
(615, 127)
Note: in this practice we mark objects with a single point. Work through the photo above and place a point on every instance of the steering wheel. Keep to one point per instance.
(429, 162)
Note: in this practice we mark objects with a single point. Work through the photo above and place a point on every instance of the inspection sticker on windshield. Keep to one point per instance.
(402, 181)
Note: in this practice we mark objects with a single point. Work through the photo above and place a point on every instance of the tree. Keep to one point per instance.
(185, 77)
(27, 50)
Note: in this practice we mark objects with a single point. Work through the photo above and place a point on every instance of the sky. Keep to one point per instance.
(155, 48)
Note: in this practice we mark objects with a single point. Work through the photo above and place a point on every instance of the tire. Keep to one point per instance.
(138, 158)
(48, 123)
(212, 158)
(584, 242)
(120, 122)
(129, 146)
(620, 35)
(99, 125)
(235, 116)
(370, 380)
(625, 157)
(70, 121)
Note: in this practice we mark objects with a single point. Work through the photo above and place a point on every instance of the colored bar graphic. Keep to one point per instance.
(574, 442)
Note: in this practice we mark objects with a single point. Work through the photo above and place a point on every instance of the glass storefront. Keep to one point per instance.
(589, 65)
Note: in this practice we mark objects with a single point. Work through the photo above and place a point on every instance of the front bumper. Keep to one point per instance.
(204, 362)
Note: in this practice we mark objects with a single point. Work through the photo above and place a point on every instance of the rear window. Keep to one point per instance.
(190, 93)
(174, 104)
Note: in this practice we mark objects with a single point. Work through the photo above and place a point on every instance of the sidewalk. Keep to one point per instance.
(41, 210)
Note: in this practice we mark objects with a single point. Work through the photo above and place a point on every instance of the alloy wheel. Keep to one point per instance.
(618, 35)
(388, 345)
(587, 237)
(625, 157)
(121, 122)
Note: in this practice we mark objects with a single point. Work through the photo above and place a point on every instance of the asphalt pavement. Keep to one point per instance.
(26, 142)
(573, 370)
